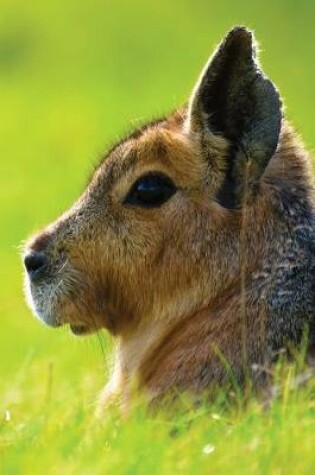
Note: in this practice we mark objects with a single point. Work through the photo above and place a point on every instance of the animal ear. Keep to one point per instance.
(233, 98)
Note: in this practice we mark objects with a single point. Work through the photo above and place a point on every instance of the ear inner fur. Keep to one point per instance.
(234, 98)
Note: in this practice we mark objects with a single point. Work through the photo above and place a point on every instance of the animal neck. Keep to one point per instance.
(137, 349)
(170, 354)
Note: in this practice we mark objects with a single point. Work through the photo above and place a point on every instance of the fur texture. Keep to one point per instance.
(219, 277)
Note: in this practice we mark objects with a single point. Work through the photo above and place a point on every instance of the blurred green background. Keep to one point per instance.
(74, 76)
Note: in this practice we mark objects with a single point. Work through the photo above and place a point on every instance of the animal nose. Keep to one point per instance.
(35, 264)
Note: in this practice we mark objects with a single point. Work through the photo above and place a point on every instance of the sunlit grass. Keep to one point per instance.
(44, 428)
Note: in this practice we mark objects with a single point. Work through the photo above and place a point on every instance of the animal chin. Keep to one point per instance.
(80, 330)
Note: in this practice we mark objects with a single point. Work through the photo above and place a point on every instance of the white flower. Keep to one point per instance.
(208, 449)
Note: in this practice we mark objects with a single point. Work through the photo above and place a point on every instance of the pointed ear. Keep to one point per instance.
(235, 99)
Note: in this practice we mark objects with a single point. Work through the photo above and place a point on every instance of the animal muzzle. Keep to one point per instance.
(36, 265)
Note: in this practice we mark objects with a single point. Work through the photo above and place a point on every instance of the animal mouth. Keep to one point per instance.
(51, 304)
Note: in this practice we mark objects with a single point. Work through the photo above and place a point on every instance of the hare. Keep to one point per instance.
(193, 244)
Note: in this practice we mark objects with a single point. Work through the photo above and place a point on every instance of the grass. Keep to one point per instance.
(58, 433)
(74, 76)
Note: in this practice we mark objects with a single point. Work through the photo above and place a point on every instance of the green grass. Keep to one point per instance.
(74, 76)
(52, 430)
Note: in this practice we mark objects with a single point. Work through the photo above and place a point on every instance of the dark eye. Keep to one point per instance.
(151, 190)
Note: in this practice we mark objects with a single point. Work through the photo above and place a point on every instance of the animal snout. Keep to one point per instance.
(36, 265)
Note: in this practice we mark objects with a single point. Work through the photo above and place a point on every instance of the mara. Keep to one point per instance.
(193, 244)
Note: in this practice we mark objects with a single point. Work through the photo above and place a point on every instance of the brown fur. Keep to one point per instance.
(184, 286)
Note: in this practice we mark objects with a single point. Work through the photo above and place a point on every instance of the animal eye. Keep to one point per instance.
(151, 191)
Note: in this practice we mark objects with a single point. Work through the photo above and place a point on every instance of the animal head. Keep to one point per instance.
(156, 234)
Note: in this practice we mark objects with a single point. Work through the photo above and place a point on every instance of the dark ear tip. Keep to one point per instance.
(242, 36)
(240, 31)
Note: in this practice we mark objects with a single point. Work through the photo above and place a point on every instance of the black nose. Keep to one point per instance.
(35, 264)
